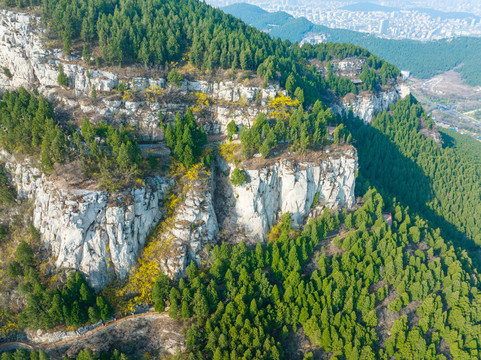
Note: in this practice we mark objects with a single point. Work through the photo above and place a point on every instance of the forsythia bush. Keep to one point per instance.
(8, 323)
(139, 286)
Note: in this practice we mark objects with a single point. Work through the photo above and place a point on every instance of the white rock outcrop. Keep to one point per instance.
(289, 186)
(97, 233)
(31, 65)
(101, 234)
(367, 105)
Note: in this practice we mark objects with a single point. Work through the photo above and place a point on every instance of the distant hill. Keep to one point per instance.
(446, 15)
(257, 17)
(423, 59)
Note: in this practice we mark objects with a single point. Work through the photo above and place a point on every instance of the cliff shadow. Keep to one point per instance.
(384, 167)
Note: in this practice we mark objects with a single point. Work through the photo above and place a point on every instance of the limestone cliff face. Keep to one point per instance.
(97, 233)
(367, 105)
(192, 227)
(290, 186)
(33, 66)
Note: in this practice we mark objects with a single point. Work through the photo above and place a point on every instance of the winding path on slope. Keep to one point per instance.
(98, 330)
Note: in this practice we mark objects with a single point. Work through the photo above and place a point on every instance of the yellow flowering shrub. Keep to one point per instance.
(281, 106)
(230, 151)
(152, 93)
(8, 323)
(201, 102)
(137, 290)
(127, 95)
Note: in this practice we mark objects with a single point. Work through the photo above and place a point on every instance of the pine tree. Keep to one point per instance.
(290, 83)
(123, 159)
(67, 44)
(188, 157)
(86, 54)
(299, 95)
(14, 269)
(58, 145)
(94, 315)
(259, 256)
(24, 253)
(217, 354)
(200, 305)
(174, 305)
(75, 314)
(174, 78)
(179, 151)
(46, 159)
(193, 338)
(85, 293)
(185, 313)
(231, 129)
(169, 137)
(62, 78)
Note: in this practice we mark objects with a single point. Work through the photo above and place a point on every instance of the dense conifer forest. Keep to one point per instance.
(47, 306)
(379, 292)
(86, 354)
(27, 126)
(442, 183)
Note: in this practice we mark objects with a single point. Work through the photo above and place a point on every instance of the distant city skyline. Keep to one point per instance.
(395, 19)
(470, 6)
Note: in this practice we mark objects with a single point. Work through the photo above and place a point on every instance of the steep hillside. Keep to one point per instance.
(442, 183)
(91, 157)
(375, 291)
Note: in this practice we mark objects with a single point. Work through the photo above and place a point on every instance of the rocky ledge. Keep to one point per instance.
(185, 235)
(32, 65)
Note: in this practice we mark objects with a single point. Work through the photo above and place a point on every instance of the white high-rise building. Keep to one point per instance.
(383, 26)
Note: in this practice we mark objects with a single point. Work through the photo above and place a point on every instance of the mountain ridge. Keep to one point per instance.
(406, 54)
